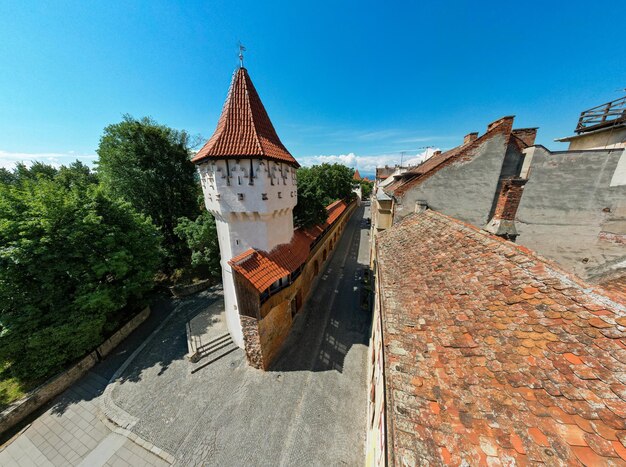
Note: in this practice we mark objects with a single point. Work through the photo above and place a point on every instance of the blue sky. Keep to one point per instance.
(360, 81)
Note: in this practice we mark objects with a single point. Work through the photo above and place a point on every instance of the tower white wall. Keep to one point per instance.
(252, 201)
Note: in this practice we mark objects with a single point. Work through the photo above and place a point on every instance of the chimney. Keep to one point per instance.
(421, 205)
(470, 137)
(527, 135)
(502, 223)
(505, 122)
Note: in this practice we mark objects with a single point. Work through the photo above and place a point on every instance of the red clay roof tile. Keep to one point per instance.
(495, 350)
(244, 128)
(263, 268)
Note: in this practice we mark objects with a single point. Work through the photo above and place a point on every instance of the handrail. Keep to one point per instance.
(602, 116)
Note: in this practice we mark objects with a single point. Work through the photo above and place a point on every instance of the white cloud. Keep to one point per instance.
(8, 159)
(368, 164)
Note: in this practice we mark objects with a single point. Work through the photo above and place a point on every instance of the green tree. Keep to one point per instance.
(201, 237)
(70, 259)
(366, 189)
(149, 166)
(318, 186)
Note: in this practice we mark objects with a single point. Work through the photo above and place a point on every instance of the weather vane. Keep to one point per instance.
(242, 49)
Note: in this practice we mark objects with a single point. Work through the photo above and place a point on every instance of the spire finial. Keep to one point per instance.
(242, 49)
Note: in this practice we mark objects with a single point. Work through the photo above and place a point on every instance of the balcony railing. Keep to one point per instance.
(603, 116)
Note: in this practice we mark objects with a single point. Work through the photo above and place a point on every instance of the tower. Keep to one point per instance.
(249, 183)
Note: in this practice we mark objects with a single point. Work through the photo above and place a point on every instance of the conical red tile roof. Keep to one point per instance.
(244, 128)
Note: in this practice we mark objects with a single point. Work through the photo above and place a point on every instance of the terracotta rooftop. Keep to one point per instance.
(357, 175)
(438, 161)
(244, 128)
(263, 268)
(494, 355)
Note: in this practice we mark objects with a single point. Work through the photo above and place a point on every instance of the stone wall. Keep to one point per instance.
(19, 410)
(572, 208)
(179, 291)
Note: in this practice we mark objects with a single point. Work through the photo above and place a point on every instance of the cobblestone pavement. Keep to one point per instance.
(69, 430)
(71, 433)
(310, 409)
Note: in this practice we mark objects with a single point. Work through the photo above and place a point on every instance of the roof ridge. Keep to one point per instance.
(255, 131)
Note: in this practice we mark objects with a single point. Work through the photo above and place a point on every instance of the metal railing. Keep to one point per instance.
(602, 116)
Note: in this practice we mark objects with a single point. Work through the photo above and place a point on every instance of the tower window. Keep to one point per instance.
(240, 196)
(292, 194)
(280, 195)
(217, 196)
(264, 196)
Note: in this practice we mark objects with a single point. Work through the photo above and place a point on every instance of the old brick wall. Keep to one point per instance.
(273, 330)
(568, 207)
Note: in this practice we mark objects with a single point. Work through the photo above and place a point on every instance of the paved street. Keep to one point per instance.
(309, 409)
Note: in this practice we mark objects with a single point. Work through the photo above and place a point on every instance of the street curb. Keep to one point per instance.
(116, 418)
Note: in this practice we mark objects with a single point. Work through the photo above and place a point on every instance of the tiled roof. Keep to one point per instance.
(384, 172)
(244, 128)
(438, 161)
(263, 268)
(357, 175)
(494, 355)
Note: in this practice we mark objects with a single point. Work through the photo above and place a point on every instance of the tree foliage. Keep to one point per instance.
(366, 189)
(318, 186)
(70, 259)
(201, 237)
(148, 165)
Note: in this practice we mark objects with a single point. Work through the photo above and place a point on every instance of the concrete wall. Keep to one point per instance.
(465, 189)
(35, 399)
(570, 213)
(610, 138)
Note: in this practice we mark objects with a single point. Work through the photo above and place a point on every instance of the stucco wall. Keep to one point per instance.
(605, 139)
(567, 205)
(465, 189)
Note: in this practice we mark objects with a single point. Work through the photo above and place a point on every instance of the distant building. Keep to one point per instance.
(357, 175)
(601, 127)
(249, 182)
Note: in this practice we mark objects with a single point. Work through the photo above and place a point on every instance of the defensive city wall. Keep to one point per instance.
(267, 312)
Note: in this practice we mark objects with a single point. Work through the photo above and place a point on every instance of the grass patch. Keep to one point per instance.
(10, 390)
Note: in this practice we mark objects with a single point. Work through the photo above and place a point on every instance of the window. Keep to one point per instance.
(264, 196)
(240, 196)
(280, 195)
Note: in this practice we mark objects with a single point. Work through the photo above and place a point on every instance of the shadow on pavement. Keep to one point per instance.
(336, 315)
